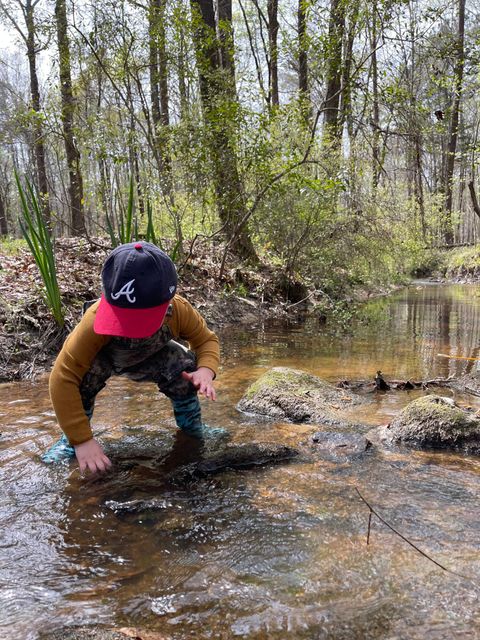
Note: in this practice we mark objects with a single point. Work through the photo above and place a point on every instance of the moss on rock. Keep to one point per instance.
(296, 396)
(435, 422)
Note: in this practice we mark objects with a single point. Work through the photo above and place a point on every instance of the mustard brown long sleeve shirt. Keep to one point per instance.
(83, 344)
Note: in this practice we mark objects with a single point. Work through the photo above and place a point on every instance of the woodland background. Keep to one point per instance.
(336, 139)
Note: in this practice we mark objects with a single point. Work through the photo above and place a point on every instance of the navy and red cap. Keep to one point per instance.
(139, 280)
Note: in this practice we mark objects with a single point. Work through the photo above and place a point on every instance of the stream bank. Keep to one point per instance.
(30, 340)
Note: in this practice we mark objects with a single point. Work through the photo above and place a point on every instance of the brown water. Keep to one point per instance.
(272, 553)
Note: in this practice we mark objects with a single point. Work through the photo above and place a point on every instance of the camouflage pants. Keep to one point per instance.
(157, 359)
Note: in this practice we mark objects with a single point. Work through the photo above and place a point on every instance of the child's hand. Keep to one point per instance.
(90, 456)
(202, 380)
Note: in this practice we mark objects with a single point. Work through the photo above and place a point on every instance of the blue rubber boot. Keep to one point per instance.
(61, 450)
(188, 417)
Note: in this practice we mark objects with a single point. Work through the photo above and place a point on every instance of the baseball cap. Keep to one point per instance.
(139, 280)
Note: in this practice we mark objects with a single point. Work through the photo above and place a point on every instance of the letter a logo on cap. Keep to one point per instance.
(127, 290)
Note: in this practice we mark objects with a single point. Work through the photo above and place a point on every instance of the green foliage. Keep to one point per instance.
(11, 246)
(468, 257)
(127, 227)
(37, 234)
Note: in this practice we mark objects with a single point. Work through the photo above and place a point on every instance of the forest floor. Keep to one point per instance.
(30, 340)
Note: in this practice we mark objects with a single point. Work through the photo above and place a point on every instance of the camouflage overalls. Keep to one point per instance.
(158, 359)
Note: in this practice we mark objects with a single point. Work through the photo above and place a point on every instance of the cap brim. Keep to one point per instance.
(128, 323)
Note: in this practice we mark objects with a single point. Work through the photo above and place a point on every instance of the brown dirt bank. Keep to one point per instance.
(29, 339)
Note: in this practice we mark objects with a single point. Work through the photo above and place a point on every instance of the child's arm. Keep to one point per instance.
(72, 363)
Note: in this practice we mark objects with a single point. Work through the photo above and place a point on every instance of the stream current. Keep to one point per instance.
(274, 552)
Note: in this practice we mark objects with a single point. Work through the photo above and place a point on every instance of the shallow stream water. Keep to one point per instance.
(274, 552)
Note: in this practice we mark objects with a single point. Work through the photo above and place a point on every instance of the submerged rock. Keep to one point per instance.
(336, 445)
(432, 422)
(241, 456)
(296, 396)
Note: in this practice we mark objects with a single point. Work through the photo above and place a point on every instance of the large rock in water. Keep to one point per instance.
(236, 456)
(296, 396)
(432, 422)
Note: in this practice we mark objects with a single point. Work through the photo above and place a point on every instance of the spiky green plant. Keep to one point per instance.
(150, 233)
(127, 225)
(38, 237)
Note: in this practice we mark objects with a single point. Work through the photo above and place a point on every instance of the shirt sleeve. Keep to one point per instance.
(72, 363)
(187, 323)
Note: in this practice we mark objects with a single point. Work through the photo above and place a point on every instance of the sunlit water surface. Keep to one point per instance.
(269, 553)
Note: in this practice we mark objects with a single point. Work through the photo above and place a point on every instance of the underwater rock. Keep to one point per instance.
(296, 396)
(241, 456)
(432, 422)
(333, 444)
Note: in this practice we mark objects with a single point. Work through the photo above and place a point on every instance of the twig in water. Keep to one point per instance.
(425, 555)
(369, 526)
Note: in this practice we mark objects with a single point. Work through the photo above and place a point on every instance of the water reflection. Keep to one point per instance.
(270, 553)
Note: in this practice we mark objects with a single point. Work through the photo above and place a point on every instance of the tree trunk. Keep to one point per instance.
(68, 110)
(3, 217)
(332, 131)
(303, 83)
(473, 196)
(181, 75)
(346, 96)
(225, 32)
(454, 122)
(159, 91)
(215, 93)
(375, 104)
(35, 97)
(272, 8)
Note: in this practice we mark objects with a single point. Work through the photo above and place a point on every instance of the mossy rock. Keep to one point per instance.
(433, 422)
(291, 395)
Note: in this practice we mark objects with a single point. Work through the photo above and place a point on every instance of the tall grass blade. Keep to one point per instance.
(38, 238)
(150, 233)
(111, 232)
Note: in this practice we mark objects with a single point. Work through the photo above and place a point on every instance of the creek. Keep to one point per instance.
(273, 552)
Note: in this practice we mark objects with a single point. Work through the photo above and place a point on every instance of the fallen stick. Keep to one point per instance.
(400, 535)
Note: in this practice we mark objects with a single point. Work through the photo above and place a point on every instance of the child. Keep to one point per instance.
(130, 332)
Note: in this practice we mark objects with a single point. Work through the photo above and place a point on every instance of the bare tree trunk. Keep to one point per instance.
(346, 96)
(272, 8)
(159, 91)
(419, 197)
(454, 123)
(332, 132)
(3, 217)
(35, 97)
(182, 84)
(473, 196)
(68, 110)
(375, 104)
(213, 88)
(303, 81)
